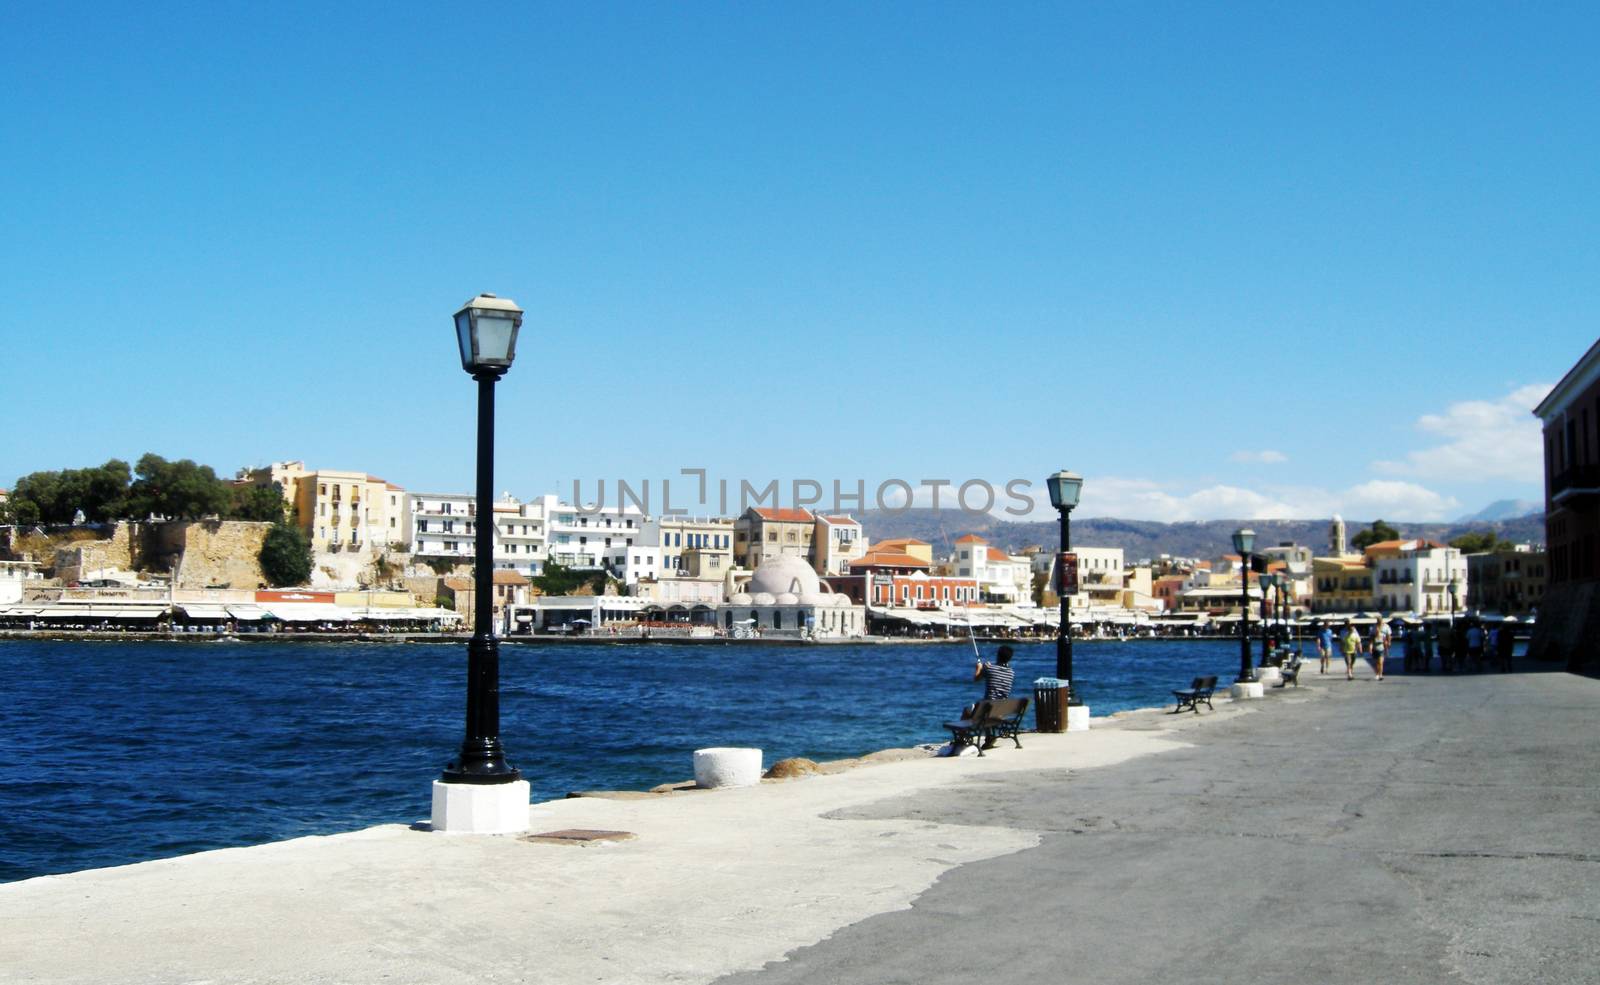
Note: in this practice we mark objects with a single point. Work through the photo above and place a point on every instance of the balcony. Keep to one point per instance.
(1578, 482)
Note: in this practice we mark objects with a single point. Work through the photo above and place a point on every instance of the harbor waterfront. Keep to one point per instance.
(1345, 832)
(125, 751)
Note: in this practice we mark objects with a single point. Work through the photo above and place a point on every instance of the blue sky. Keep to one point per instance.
(1225, 263)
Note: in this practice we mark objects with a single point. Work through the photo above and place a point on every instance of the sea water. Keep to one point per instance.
(117, 752)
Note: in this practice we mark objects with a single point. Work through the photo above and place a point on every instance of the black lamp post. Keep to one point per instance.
(1455, 589)
(1243, 542)
(486, 329)
(1269, 614)
(1064, 488)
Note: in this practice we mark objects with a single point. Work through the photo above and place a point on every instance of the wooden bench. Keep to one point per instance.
(1200, 689)
(989, 721)
(1291, 672)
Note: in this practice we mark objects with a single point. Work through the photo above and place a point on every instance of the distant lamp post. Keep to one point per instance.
(1455, 590)
(479, 791)
(1244, 541)
(1269, 613)
(1064, 489)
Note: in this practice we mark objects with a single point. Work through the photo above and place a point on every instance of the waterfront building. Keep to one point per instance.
(1001, 578)
(836, 541)
(887, 576)
(338, 510)
(765, 532)
(1166, 590)
(15, 576)
(1341, 585)
(1415, 576)
(1569, 620)
(1507, 582)
(693, 547)
(785, 597)
(441, 525)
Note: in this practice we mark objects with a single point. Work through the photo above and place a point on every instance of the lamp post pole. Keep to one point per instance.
(486, 329)
(1064, 634)
(1064, 488)
(483, 758)
(1243, 541)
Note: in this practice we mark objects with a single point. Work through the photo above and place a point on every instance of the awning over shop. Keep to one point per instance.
(309, 612)
(204, 610)
(248, 611)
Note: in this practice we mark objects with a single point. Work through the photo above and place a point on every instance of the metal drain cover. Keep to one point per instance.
(579, 836)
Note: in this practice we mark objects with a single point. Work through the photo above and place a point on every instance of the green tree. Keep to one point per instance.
(559, 579)
(56, 497)
(262, 503)
(180, 490)
(1378, 532)
(285, 556)
(1479, 542)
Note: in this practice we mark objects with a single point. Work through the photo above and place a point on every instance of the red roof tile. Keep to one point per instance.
(888, 559)
(783, 514)
(996, 554)
(971, 539)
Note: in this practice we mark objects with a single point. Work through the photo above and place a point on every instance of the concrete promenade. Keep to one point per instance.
(1430, 829)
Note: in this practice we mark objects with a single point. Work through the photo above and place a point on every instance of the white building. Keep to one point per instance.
(1415, 576)
(591, 539)
(838, 541)
(440, 525)
(1001, 577)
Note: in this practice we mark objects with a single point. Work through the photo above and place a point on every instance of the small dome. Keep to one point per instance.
(740, 598)
(839, 598)
(788, 598)
(815, 598)
(762, 598)
(784, 574)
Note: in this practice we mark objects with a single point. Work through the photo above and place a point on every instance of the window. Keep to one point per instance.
(772, 536)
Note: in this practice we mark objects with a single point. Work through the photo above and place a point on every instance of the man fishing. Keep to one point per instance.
(997, 679)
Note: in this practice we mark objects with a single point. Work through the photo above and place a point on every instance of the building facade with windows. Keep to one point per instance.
(337, 510)
(1416, 575)
(1510, 582)
(762, 533)
(1569, 621)
(836, 541)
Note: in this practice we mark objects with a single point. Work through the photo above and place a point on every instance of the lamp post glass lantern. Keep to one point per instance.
(1064, 488)
(1244, 541)
(486, 331)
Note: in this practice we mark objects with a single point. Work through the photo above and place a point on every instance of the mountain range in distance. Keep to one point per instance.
(1503, 509)
(1152, 538)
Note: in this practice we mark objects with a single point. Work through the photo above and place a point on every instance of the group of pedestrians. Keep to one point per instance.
(1466, 644)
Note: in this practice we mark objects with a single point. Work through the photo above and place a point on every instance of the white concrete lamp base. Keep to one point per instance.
(1077, 718)
(1248, 689)
(481, 808)
(1269, 676)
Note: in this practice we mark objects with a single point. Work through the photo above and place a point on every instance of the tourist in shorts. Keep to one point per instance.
(1381, 637)
(1350, 646)
(1325, 646)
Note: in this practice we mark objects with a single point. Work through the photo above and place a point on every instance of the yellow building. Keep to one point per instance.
(1341, 584)
(338, 510)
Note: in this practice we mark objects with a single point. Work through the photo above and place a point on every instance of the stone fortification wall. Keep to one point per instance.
(1568, 630)
(216, 553)
(121, 552)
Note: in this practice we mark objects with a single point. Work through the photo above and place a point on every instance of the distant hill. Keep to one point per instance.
(1150, 538)
(1503, 509)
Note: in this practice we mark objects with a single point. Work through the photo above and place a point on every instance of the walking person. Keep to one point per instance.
(1475, 646)
(1505, 644)
(1430, 634)
(1325, 646)
(1350, 646)
(1381, 637)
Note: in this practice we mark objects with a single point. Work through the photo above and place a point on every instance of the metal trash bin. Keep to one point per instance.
(1050, 704)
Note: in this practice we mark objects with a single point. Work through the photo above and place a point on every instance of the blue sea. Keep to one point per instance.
(117, 752)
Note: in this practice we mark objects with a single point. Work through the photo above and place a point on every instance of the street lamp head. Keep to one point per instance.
(486, 330)
(1064, 488)
(1244, 541)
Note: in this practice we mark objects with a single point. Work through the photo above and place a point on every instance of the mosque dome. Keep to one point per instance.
(840, 598)
(762, 598)
(815, 598)
(784, 574)
(740, 598)
(788, 598)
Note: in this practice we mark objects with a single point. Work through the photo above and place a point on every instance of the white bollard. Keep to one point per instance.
(1248, 689)
(1269, 676)
(1077, 718)
(727, 766)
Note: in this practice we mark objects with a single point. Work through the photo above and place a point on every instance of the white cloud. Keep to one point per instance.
(1146, 500)
(1482, 439)
(1264, 457)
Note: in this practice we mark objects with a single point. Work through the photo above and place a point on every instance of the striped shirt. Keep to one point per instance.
(997, 681)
